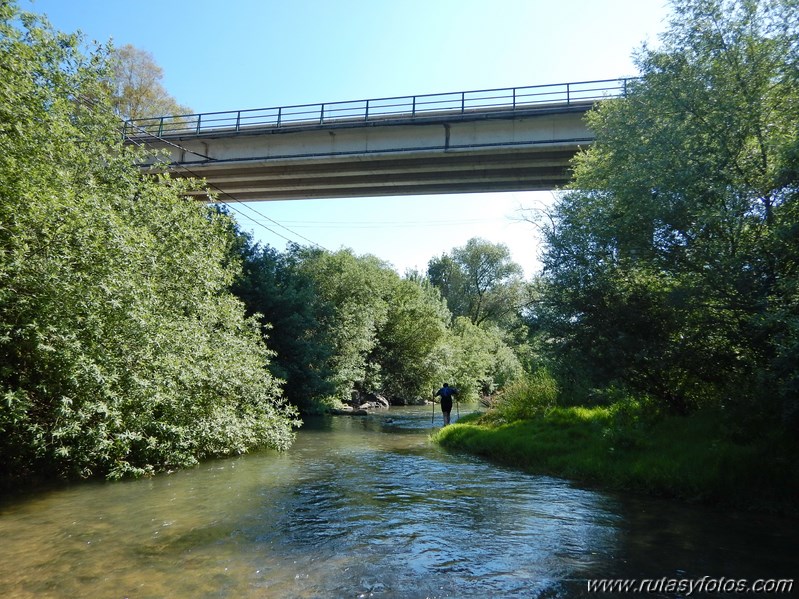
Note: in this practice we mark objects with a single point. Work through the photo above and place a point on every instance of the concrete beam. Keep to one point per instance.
(448, 153)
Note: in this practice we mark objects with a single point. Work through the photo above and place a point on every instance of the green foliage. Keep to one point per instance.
(671, 263)
(410, 348)
(485, 292)
(121, 352)
(356, 289)
(623, 447)
(387, 334)
(479, 281)
(273, 286)
(527, 397)
(344, 324)
(480, 360)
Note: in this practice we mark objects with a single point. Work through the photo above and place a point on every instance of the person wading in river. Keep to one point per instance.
(446, 393)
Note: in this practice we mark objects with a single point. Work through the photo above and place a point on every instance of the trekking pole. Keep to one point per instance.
(457, 407)
(433, 418)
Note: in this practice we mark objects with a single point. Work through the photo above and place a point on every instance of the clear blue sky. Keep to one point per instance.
(255, 53)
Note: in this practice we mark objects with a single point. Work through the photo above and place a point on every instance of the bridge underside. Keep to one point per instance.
(417, 174)
(484, 153)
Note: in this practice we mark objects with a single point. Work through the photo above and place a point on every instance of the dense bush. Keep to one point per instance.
(121, 350)
(527, 397)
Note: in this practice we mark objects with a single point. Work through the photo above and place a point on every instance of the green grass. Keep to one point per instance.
(615, 447)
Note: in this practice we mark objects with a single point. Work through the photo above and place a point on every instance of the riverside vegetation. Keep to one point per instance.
(122, 350)
(141, 331)
(631, 444)
(668, 307)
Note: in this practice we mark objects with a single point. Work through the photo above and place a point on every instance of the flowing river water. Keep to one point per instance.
(367, 507)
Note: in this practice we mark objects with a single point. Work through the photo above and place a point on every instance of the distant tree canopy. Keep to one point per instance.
(344, 324)
(136, 88)
(672, 262)
(122, 351)
(479, 281)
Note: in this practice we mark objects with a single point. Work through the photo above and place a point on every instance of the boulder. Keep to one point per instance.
(371, 401)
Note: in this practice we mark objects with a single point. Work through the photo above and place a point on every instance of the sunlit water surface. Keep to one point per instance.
(365, 507)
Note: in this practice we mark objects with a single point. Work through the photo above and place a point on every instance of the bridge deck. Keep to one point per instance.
(491, 140)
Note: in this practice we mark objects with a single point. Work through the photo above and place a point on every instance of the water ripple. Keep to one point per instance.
(359, 508)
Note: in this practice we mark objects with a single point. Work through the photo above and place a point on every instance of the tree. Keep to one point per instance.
(356, 290)
(479, 281)
(136, 87)
(480, 362)
(484, 290)
(411, 342)
(121, 350)
(671, 257)
(273, 286)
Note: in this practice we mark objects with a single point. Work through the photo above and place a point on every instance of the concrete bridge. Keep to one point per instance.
(515, 139)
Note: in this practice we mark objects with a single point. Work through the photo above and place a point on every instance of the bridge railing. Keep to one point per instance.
(376, 109)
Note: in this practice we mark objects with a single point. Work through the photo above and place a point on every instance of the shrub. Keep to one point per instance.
(529, 396)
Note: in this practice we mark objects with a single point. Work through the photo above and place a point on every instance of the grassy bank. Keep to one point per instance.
(691, 458)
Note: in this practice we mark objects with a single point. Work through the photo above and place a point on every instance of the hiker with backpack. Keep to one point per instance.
(446, 393)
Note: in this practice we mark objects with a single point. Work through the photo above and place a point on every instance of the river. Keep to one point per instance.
(367, 507)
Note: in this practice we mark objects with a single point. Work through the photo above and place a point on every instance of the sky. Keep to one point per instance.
(241, 54)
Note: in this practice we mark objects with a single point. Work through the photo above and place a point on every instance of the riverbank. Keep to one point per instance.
(691, 458)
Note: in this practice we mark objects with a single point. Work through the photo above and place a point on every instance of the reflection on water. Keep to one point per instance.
(364, 506)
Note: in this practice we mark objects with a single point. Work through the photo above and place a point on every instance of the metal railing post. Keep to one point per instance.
(413, 107)
(514, 98)
(568, 94)
(199, 122)
(321, 114)
(238, 121)
(463, 102)
(279, 114)
(161, 127)
(366, 112)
